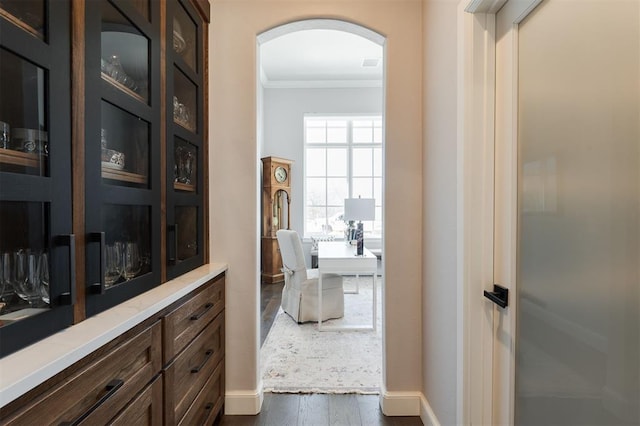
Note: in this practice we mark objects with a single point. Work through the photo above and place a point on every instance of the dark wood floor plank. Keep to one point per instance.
(370, 412)
(319, 410)
(270, 297)
(314, 410)
(283, 410)
(344, 410)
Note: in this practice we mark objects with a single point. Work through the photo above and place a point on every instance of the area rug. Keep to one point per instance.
(297, 358)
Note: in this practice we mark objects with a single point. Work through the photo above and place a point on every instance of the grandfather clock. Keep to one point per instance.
(276, 214)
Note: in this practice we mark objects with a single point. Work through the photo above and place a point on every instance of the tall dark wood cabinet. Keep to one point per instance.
(37, 245)
(122, 151)
(276, 214)
(103, 171)
(186, 135)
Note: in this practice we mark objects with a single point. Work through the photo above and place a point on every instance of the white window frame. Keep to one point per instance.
(348, 146)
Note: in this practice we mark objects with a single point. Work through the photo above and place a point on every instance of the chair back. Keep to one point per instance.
(292, 255)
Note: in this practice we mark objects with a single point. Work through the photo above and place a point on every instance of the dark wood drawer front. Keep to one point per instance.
(186, 321)
(101, 389)
(209, 401)
(185, 377)
(145, 410)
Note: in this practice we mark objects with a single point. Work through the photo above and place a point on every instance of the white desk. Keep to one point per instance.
(340, 258)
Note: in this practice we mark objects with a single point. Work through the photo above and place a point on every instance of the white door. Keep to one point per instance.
(567, 213)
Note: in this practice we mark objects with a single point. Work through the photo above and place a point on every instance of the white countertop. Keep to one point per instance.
(25, 369)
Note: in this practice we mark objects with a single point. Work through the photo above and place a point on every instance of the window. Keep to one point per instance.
(343, 159)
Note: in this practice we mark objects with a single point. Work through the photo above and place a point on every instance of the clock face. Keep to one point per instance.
(280, 174)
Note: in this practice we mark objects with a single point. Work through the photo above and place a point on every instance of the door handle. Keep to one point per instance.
(499, 295)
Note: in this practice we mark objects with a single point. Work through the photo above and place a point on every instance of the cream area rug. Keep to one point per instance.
(297, 358)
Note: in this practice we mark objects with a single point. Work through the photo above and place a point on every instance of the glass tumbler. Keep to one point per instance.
(132, 260)
(113, 263)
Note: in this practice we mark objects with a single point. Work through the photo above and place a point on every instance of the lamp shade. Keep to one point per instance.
(359, 209)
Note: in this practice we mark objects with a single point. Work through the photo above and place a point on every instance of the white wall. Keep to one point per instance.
(234, 173)
(284, 111)
(439, 298)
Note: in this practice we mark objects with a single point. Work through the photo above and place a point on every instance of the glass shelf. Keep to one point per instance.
(26, 15)
(17, 158)
(121, 175)
(184, 187)
(122, 87)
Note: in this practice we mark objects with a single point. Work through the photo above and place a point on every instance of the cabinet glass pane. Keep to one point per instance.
(184, 37)
(125, 147)
(186, 232)
(24, 145)
(184, 101)
(184, 168)
(28, 15)
(127, 251)
(24, 260)
(125, 54)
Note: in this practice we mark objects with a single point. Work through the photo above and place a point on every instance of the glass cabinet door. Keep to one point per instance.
(37, 249)
(185, 139)
(122, 147)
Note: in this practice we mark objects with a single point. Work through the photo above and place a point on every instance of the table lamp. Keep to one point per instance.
(359, 209)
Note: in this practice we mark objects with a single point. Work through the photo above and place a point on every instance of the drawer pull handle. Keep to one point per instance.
(196, 317)
(209, 406)
(198, 368)
(111, 388)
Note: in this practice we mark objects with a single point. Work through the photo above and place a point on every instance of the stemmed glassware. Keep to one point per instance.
(43, 273)
(122, 259)
(26, 274)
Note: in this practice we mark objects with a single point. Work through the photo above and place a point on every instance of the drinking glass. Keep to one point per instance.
(5, 135)
(43, 274)
(34, 280)
(5, 277)
(113, 263)
(188, 166)
(20, 273)
(132, 261)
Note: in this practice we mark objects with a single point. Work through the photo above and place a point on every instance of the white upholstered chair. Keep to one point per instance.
(300, 292)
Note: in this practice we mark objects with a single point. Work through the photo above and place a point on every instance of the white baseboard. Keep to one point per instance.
(427, 415)
(400, 403)
(243, 403)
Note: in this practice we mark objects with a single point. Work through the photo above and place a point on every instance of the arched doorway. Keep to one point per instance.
(333, 91)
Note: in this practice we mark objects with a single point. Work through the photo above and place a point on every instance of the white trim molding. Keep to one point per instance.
(475, 164)
(427, 415)
(238, 403)
(321, 24)
(400, 403)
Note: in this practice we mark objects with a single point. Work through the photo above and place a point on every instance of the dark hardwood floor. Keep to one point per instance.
(310, 409)
(271, 295)
(319, 410)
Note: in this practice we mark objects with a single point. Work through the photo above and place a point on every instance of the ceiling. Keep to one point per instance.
(320, 58)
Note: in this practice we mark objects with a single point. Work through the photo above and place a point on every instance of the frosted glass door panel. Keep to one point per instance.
(578, 301)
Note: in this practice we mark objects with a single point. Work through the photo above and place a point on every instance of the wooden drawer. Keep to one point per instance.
(209, 401)
(187, 374)
(95, 393)
(185, 322)
(145, 410)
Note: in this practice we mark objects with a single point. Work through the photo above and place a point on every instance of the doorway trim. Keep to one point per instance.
(392, 403)
(478, 168)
